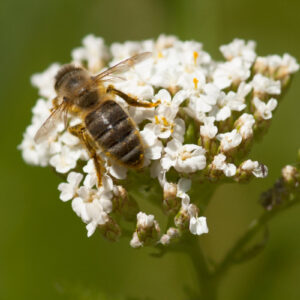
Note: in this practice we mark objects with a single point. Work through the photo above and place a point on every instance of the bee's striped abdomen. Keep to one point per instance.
(116, 133)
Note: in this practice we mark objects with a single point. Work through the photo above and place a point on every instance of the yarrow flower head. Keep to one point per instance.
(200, 122)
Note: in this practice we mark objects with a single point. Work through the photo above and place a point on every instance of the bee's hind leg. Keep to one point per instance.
(131, 100)
(81, 132)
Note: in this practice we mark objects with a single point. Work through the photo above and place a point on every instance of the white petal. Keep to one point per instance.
(198, 226)
(91, 227)
(67, 191)
(223, 114)
(184, 185)
(230, 170)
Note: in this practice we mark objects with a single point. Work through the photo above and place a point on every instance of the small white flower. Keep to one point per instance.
(192, 81)
(41, 111)
(257, 169)
(230, 170)
(244, 125)
(135, 83)
(89, 207)
(86, 203)
(157, 171)
(193, 56)
(274, 62)
(183, 186)
(165, 41)
(289, 173)
(154, 146)
(66, 160)
(94, 52)
(239, 48)
(91, 177)
(198, 226)
(202, 101)
(234, 71)
(229, 140)
(233, 101)
(208, 130)
(187, 158)
(31, 152)
(69, 139)
(264, 110)
(290, 63)
(219, 163)
(145, 220)
(265, 85)
(125, 50)
(68, 190)
(164, 123)
(166, 74)
(116, 170)
(45, 81)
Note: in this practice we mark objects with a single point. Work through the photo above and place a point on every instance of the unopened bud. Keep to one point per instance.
(260, 67)
(110, 230)
(172, 235)
(147, 231)
(290, 175)
(244, 125)
(275, 196)
(171, 202)
(123, 204)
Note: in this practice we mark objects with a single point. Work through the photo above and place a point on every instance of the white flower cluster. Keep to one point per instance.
(208, 114)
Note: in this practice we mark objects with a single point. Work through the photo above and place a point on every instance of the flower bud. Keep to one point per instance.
(171, 202)
(218, 167)
(290, 175)
(123, 204)
(171, 236)
(110, 230)
(147, 231)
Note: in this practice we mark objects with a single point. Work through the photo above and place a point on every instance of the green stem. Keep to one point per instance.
(207, 283)
(252, 230)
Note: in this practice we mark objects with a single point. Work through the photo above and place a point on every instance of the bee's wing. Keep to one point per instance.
(50, 124)
(123, 66)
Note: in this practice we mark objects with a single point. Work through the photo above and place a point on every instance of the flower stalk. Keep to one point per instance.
(283, 195)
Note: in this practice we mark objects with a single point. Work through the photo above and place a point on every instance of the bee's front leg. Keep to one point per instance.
(131, 100)
(80, 131)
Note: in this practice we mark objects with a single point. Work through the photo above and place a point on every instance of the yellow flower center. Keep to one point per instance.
(195, 80)
(196, 55)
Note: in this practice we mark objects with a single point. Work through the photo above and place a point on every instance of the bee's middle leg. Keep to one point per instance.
(81, 132)
(131, 100)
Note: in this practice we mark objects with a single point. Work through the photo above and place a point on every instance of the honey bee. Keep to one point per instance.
(105, 126)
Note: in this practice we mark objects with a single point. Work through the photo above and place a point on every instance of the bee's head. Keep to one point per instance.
(70, 80)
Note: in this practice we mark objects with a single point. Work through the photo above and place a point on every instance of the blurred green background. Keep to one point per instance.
(44, 252)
